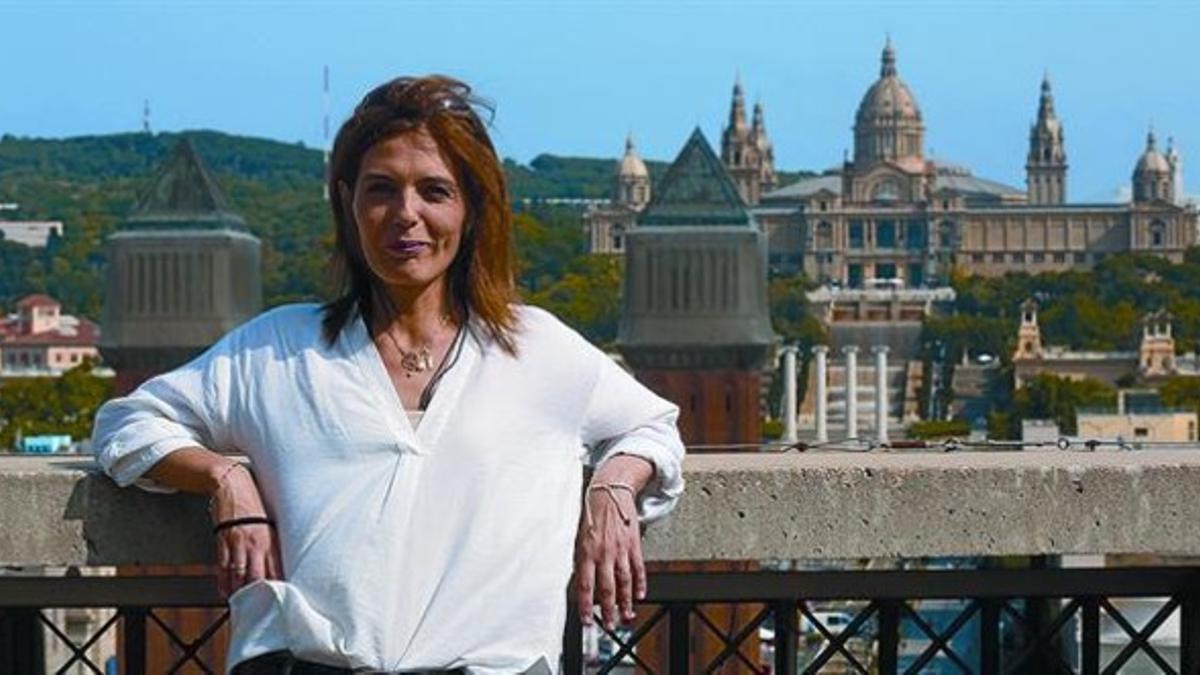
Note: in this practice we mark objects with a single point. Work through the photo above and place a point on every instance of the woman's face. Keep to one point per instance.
(409, 211)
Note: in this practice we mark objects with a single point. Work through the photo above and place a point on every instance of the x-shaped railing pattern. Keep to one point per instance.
(1021, 628)
(187, 650)
(1037, 641)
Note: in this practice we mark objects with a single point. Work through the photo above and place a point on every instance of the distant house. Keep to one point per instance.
(31, 233)
(1139, 416)
(39, 340)
(45, 444)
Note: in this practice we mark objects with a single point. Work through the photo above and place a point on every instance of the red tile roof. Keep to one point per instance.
(37, 300)
(68, 333)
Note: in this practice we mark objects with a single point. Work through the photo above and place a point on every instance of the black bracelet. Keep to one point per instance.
(248, 520)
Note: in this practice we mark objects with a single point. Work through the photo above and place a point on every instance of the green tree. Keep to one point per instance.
(52, 405)
(588, 297)
(790, 314)
(1057, 398)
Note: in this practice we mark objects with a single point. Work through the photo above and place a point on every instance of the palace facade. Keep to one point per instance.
(890, 214)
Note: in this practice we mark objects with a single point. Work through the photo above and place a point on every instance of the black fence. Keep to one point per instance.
(1037, 621)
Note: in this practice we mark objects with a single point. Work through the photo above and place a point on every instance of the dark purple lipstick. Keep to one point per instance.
(406, 248)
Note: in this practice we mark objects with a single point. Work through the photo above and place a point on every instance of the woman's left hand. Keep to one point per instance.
(608, 557)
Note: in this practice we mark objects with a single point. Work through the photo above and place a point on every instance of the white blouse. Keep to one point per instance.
(445, 546)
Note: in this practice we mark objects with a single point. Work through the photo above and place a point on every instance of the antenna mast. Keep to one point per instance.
(325, 129)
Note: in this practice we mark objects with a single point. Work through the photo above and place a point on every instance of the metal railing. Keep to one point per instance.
(1014, 621)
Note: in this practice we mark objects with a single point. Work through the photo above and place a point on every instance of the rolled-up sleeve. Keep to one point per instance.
(175, 410)
(623, 417)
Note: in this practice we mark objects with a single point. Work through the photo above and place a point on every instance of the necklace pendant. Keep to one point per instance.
(411, 362)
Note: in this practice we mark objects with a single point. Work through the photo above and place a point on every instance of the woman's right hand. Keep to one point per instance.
(245, 553)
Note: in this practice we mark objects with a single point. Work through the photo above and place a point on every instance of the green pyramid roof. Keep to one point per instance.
(183, 195)
(696, 191)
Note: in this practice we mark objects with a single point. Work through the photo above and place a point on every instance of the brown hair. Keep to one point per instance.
(481, 275)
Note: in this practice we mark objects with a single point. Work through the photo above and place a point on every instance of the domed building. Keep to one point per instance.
(887, 126)
(892, 217)
(606, 225)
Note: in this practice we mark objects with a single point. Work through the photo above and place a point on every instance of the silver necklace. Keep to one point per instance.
(418, 360)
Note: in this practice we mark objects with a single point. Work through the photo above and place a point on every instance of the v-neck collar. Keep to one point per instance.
(423, 439)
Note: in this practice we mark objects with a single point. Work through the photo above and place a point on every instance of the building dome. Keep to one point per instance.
(1152, 161)
(888, 123)
(631, 166)
(889, 99)
(1154, 176)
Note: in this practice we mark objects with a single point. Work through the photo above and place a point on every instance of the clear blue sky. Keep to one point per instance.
(572, 77)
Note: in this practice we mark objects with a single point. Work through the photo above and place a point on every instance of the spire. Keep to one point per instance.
(758, 117)
(1151, 141)
(1046, 104)
(888, 69)
(1046, 169)
(737, 111)
(630, 148)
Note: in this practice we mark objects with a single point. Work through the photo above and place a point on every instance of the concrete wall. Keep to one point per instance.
(737, 507)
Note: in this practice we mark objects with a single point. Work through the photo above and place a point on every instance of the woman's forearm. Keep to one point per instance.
(193, 469)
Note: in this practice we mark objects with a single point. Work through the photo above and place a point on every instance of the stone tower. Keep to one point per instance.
(1153, 177)
(1156, 354)
(888, 126)
(695, 328)
(1046, 167)
(745, 149)
(694, 322)
(632, 180)
(1176, 162)
(1029, 335)
(182, 271)
(766, 151)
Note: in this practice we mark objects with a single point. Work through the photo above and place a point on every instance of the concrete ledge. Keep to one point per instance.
(816, 506)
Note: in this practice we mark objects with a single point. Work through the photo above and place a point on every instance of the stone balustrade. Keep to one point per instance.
(814, 506)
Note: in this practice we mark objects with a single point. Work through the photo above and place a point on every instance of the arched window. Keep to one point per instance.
(824, 236)
(1158, 234)
(886, 190)
(946, 234)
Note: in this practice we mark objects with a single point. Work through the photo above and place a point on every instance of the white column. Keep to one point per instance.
(789, 395)
(851, 354)
(822, 402)
(881, 394)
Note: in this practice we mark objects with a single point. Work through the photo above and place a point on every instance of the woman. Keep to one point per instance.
(417, 442)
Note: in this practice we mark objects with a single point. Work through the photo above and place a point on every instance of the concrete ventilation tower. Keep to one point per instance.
(182, 271)
(694, 323)
(1046, 166)
(695, 328)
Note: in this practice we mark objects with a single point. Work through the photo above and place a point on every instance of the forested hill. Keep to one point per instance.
(135, 155)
